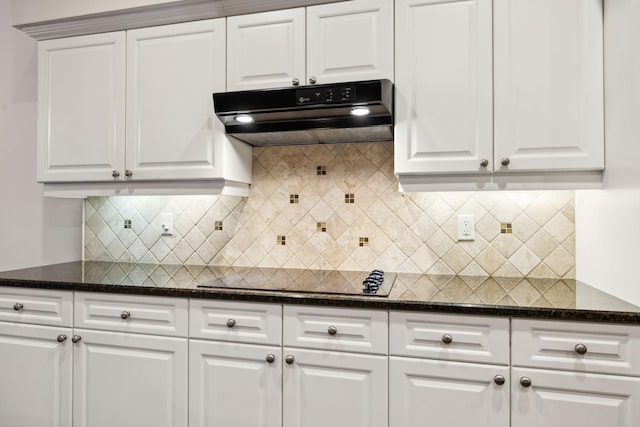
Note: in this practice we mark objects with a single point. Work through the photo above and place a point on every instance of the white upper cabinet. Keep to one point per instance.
(338, 42)
(162, 79)
(266, 50)
(81, 107)
(443, 86)
(549, 84)
(488, 87)
(350, 41)
(172, 72)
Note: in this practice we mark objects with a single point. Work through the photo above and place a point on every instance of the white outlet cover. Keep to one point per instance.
(166, 224)
(466, 227)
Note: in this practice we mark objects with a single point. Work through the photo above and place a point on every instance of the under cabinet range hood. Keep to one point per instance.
(330, 113)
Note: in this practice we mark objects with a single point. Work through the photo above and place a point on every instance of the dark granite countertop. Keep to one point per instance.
(494, 296)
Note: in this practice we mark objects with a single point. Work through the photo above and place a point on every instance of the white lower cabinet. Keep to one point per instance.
(448, 394)
(125, 379)
(546, 398)
(233, 384)
(36, 375)
(324, 388)
(36, 357)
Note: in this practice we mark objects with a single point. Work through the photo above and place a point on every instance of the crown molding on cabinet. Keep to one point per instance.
(161, 14)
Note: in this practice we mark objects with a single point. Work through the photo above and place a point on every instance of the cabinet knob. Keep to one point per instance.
(447, 339)
(312, 80)
(115, 174)
(289, 359)
(295, 81)
(271, 358)
(231, 323)
(525, 382)
(62, 338)
(18, 306)
(128, 172)
(125, 315)
(505, 161)
(580, 348)
(76, 339)
(499, 380)
(332, 330)
(484, 163)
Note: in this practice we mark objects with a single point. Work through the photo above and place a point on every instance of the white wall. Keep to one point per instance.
(33, 230)
(608, 220)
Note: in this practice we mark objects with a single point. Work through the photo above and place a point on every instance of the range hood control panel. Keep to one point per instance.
(325, 95)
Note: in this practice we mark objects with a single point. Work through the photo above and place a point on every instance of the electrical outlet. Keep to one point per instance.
(466, 227)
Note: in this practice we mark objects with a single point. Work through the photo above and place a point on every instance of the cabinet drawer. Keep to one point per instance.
(36, 306)
(338, 329)
(576, 346)
(462, 338)
(132, 313)
(235, 321)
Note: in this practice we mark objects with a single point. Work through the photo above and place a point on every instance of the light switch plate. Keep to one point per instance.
(166, 224)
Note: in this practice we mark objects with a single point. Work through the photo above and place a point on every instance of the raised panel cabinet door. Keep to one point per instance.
(36, 372)
(448, 394)
(172, 72)
(266, 50)
(350, 41)
(443, 87)
(549, 85)
(561, 398)
(232, 384)
(81, 108)
(122, 379)
(323, 388)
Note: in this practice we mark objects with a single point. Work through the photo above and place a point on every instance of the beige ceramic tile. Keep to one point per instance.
(414, 232)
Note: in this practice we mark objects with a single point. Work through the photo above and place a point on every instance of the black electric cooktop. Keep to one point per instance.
(303, 280)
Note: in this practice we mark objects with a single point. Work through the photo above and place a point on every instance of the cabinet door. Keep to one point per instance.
(172, 71)
(36, 372)
(129, 380)
(368, 55)
(549, 84)
(235, 385)
(324, 388)
(81, 108)
(266, 50)
(443, 87)
(558, 398)
(447, 393)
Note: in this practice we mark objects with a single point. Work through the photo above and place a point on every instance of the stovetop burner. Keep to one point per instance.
(374, 283)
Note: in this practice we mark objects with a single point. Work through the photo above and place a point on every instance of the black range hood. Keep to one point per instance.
(331, 113)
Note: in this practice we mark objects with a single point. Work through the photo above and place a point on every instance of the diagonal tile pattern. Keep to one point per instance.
(410, 233)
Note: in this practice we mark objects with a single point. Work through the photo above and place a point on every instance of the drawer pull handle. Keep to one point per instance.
(76, 339)
(125, 315)
(447, 339)
(231, 323)
(289, 359)
(18, 306)
(332, 330)
(580, 348)
(62, 338)
(499, 380)
(271, 358)
(525, 382)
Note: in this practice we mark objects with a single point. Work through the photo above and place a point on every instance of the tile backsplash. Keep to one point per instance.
(337, 207)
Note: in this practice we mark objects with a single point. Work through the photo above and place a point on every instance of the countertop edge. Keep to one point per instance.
(327, 300)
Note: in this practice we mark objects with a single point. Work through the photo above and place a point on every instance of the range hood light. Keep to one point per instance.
(360, 111)
(244, 118)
